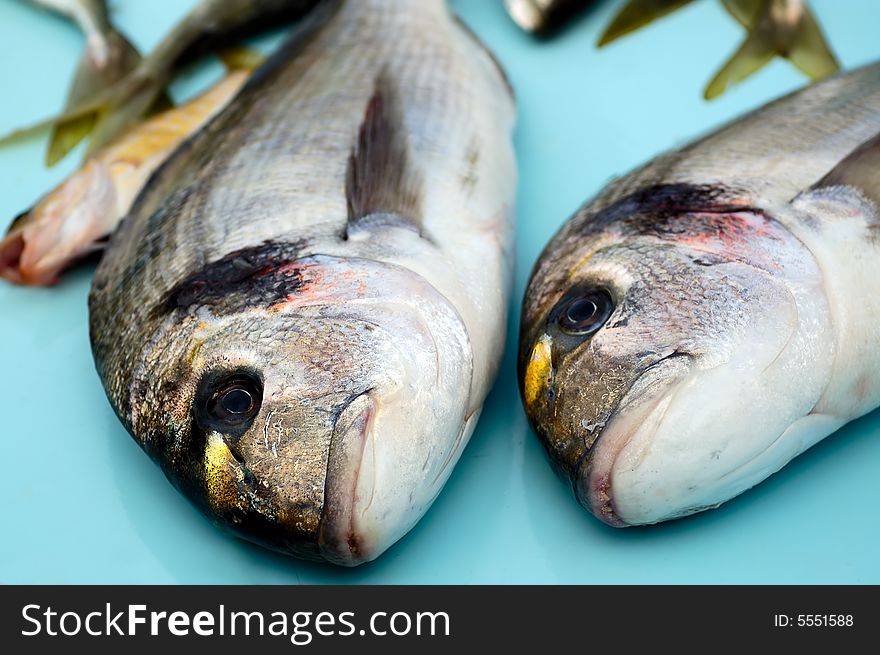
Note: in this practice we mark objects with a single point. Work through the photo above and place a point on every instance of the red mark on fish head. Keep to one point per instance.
(745, 236)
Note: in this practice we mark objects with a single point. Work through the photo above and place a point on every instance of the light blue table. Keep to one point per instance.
(81, 503)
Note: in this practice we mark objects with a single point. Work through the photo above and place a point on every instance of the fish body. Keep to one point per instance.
(78, 216)
(708, 317)
(301, 315)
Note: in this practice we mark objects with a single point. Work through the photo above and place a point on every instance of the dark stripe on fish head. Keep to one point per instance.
(258, 276)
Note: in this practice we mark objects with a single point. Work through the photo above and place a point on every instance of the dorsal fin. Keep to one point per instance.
(380, 180)
(860, 170)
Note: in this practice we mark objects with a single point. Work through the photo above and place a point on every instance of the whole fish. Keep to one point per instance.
(784, 28)
(300, 317)
(211, 25)
(76, 218)
(107, 58)
(710, 316)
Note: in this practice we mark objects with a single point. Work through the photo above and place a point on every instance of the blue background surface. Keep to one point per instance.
(79, 502)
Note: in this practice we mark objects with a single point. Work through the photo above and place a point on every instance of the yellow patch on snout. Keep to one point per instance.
(222, 473)
(539, 371)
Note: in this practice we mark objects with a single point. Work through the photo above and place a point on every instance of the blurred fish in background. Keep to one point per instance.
(76, 218)
(105, 113)
(775, 28)
(107, 58)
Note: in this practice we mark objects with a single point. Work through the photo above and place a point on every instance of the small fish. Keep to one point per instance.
(709, 317)
(544, 17)
(77, 217)
(108, 57)
(784, 28)
(212, 25)
(301, 315)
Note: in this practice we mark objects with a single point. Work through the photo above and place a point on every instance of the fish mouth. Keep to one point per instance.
(635, 417)
(11, 252)
(345, 536)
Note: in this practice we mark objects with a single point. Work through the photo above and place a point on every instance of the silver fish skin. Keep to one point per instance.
(709, 317)
(302, 314)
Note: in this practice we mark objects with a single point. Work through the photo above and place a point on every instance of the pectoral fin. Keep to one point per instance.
(381, 186)
(859, 170)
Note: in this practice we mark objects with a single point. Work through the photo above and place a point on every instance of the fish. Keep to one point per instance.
(783, 28)
(301, 315)
(545, 17)
(108, 57)
(76, 219)
(211, 26)
(708, 317)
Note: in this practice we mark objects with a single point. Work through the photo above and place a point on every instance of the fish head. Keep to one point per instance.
(316, 407)
(671, 349)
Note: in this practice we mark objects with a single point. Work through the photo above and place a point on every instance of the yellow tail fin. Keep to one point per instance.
(636, 14)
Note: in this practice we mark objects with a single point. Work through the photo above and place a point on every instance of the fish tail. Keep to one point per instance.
(746, 12)
(241, 58)
(93, 77)
(143, 95)
(636, 14)
(753, 54)
(775, 27)
(135, 101)
(810, 52)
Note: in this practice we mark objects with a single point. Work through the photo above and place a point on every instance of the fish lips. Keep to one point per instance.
(228, 492)
(344, 535)
(343, 538)
(638, 410)
(638, 415)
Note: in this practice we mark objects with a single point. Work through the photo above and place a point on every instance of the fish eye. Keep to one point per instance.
(231, 402)
(585, 312)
